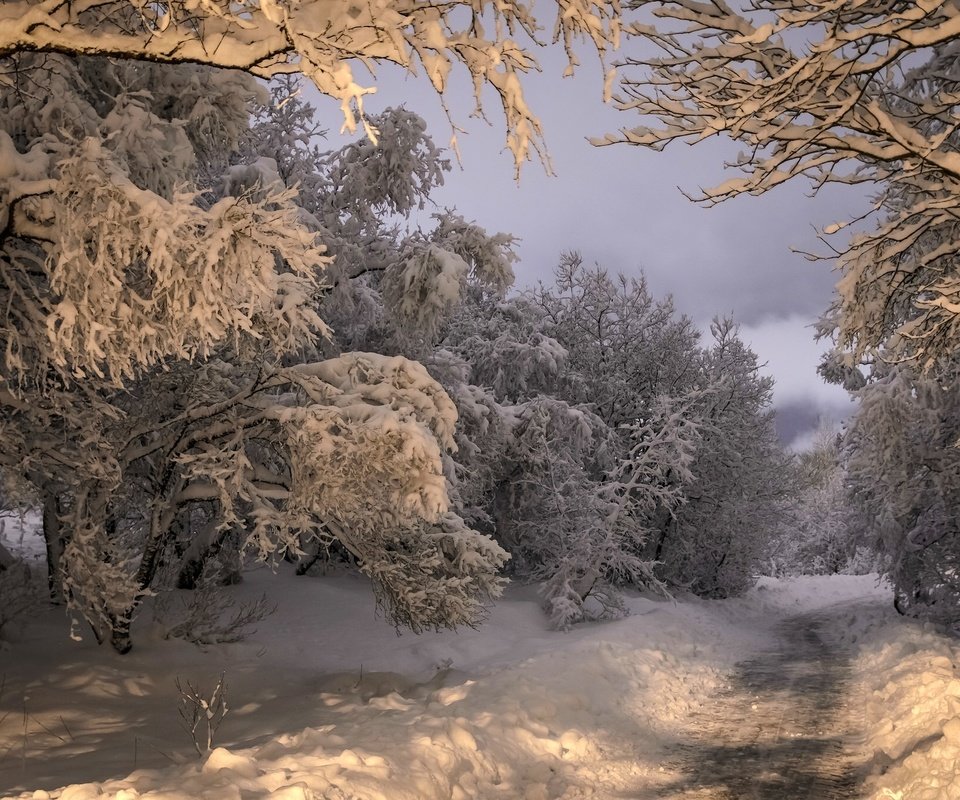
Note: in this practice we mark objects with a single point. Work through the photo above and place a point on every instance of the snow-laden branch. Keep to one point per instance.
(135, 277)
(323, 40)
(863, 93)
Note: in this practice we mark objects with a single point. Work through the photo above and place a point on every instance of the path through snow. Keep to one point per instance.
(757, 697)
(786, 728)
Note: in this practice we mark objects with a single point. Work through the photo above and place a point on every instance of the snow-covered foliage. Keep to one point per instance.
(822, 533)
(165, 381)
(324, 41)
(555, 517)
(506, 349)
(433, 274)
(735, 499)
(624, 346)
(632, 455)
(904, 471)
(394, 174)
(113, 258)
(714, 490)
(383, 281)
(859, 94)
(347, 450)
(856, 94)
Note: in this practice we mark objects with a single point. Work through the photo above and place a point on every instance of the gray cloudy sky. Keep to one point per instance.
(620, 206)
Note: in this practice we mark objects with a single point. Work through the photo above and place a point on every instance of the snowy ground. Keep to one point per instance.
(326, 701)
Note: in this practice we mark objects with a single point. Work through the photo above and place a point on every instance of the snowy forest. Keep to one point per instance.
(232, 338)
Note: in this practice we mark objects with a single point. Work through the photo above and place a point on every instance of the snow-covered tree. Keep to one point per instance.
(633, 455)
(822, 534)
(861, 93)
(322, 40)
(111, 258)
(904, 473)
(624, 347)
(735, 497)
(507, 350)
(166, 354)
(635, 361)
(348, 449)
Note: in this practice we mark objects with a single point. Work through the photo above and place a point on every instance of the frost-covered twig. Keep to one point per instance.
(202, 713)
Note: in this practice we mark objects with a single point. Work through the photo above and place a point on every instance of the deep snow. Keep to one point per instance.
(327, 701)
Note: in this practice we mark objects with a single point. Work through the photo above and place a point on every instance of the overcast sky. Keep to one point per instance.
(621, 207)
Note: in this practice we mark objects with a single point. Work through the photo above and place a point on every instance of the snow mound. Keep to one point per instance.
(911, 687)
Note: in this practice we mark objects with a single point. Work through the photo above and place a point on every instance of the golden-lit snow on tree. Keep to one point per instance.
(325, 41)
(164, 347)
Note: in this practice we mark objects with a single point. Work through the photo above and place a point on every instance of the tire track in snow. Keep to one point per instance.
(787, 728)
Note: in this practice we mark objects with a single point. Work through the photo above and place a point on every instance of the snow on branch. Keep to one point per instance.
(323, 40)
(853, 93)
(136, 277)
(799, 110)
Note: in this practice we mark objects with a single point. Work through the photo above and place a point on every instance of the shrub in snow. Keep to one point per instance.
(208, 614)
(554, 515)
(202, 712)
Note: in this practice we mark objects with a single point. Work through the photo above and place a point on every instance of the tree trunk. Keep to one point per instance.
(585, 583)
(161, 522)
(54, 541)
(662, 523)
(120, 631)
(7, 559)
(204, 546)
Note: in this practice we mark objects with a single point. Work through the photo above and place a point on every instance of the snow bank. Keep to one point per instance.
(908, 674)
(586, 721)
(327, 701)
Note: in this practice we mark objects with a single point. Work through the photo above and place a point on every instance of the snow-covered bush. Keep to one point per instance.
(202, 712)
(553, 517)
(247, 418)
(903, 467)
(209, 616)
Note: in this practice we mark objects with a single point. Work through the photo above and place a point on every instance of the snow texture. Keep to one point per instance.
(325, 701)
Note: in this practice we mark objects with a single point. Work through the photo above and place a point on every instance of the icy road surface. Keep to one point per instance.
(786, 727)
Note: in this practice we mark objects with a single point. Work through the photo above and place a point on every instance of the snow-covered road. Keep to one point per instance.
(792, 691)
